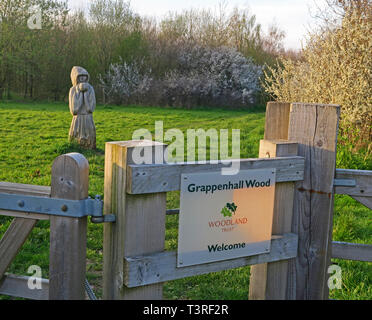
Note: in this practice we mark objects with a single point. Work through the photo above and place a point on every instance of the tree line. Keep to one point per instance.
(36, 63)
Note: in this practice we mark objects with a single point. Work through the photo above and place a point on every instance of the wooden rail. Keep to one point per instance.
(352, 251)
(361, 190)
(160, 267)
(158, 178)
(25, 189)
(358, 185)
(16, 286)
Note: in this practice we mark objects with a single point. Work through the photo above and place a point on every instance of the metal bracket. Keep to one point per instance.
(344, 183)
(56, 207)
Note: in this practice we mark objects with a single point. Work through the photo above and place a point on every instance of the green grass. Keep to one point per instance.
(33, 135)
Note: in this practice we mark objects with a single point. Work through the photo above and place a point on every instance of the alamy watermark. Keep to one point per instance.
(194, 144)
(35, 280)
(35, 18)
(35, 22)
(335, 280)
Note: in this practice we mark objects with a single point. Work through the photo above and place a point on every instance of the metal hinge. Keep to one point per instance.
(56, 207)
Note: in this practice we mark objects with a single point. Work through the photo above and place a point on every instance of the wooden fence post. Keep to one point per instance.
(277, 121)
(140, 222)
(269, 281)
(314, 127)
(70, 176)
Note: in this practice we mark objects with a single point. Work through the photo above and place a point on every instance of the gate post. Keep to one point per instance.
(269, 281)
(315, 128)
(140, 221)
(68, 236)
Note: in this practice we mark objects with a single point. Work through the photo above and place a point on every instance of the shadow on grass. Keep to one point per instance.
(72, 147)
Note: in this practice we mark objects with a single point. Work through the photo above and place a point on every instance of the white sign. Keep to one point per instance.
(225, 217)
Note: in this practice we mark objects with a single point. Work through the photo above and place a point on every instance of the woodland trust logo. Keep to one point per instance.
(228, 225)
(229, 210)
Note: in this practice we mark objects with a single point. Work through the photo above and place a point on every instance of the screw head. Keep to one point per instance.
(64, 208)
(21, 203)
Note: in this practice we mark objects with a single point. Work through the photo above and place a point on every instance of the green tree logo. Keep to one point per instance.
(229, 210)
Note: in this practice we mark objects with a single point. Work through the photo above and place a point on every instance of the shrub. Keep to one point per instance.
(213, 77)
(201, 76)
(336, 69)
(218, 76)
(126, 82)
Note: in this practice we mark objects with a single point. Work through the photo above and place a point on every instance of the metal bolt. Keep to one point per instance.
(64, 208)
(21, 203)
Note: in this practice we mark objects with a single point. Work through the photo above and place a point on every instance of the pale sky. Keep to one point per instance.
(292, 16)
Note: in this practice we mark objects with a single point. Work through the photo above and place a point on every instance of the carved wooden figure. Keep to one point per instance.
(82, 105)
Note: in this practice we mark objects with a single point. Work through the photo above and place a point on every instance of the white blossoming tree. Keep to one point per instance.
(202, 76)
(126, 82)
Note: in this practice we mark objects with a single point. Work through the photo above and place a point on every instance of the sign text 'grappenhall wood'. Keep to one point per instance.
(241, 184)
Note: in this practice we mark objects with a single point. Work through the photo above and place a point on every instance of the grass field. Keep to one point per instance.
(33, 135)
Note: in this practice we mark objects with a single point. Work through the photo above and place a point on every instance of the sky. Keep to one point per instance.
(292, 16)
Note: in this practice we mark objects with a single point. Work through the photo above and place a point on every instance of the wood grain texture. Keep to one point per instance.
(352, 251)
(258, 282)
(277, 149)
(159, 178)
(31, 190)
(366, 201)
(315, 128)
(139, 227)
(13, 240)
(269, 281)
(17, 286)
(68, 236)
(363, 179)
(263, 283)
(160, 267)
(25, 215)
(277, 120)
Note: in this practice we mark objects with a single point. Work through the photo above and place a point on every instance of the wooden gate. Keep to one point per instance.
(70, 175)
(300, 142)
